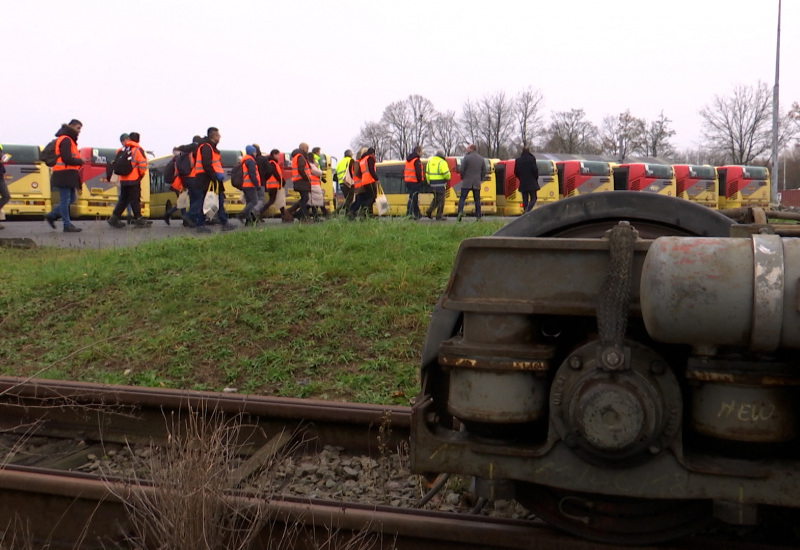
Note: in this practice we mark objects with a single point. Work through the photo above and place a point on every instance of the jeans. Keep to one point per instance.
(412, 207)
(66, 196)
(301, 205)
(5, 196)
(438, 201)
(528, 200)
(196, 197)
(260, 200)
(476, 198)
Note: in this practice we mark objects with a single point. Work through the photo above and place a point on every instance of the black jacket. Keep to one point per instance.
(302, 183)
(527, 172)
(67, 179)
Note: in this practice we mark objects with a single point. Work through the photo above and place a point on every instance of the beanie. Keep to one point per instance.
(250, 150)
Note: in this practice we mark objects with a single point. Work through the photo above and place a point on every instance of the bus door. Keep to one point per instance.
(696, 183)
(28, 181)
(579, 177)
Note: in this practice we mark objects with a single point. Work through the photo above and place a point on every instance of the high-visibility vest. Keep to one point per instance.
(341, 169)
(274, 182)
(366, 176)
(246, 181)
(312, 178)
(138, 160)
(410, 171)
(296, 170)
(216, 160)
(60, 164)
(436, 171)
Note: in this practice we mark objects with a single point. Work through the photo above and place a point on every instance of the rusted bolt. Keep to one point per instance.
(575, 362)
(612, 358)
(657, 367)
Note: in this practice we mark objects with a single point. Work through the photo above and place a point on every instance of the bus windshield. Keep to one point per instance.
(595, 168)
(701, 172)
(546, 167)
(755, 172)
(21, 154)
(659, 170)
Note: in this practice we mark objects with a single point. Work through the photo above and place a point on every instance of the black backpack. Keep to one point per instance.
(184, 164)
(49, 155)
(123, 162)
(237, 176)
(169, 171)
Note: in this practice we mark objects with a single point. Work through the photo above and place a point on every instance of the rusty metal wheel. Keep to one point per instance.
(598, 517)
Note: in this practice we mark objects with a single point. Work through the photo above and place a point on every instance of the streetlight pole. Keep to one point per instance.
(775, 116)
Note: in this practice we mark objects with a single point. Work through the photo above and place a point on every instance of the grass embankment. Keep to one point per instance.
(333, 311)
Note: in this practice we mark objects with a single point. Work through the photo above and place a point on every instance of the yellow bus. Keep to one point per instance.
(28, 181)
(697, 183)
(99, 196)
(390, 174)
(743, 186)
(509, 201)
(162, 197)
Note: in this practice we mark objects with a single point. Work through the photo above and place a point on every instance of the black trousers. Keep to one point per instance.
(129, 195)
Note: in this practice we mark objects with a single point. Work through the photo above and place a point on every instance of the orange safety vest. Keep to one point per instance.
(216, 161)
(296, 170)
(366, 177)
(410, 171)
(314, 179)
(60, 164)
(139, 162)
(274, 182)
(246, 181)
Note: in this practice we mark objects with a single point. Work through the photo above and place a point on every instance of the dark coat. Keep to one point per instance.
(67, 179)
(302, 183)
(527, 172)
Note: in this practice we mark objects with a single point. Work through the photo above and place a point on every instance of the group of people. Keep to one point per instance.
(196, 169)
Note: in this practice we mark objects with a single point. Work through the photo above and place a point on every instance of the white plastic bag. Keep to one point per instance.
(210, 205)
(183, 200)
(381, 202)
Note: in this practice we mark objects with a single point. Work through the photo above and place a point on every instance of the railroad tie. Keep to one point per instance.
(259, 459)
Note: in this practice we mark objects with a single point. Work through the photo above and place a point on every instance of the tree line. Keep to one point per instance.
(736, 129)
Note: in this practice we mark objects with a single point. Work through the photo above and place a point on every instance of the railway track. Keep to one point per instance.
(42, 496)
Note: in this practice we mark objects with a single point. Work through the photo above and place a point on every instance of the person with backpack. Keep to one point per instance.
(173, 175)
(65, 174)
(130, 165)
(209, 175)
(249, 185)
(269, 169)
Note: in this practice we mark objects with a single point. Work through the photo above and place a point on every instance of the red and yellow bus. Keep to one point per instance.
(697, 183)
(99, 196)
(509, 200)
(579, 177)
(743, 186)
(645, 177)
(326, 182)
(28, 181)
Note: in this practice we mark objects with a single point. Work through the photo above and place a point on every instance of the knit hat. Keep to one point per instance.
(250, 150)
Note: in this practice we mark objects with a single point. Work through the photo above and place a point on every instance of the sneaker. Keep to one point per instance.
(72, 229)
(188, 223)
(429, 215)
(50, 221)
(460, 216)
(167, 217)
(202, 229)
(228, 227)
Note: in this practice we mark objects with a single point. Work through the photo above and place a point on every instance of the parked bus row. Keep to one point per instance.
(28, 181)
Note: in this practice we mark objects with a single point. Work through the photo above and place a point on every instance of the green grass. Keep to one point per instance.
(333, 311)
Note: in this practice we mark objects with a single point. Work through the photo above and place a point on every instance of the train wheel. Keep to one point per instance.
(602, 517)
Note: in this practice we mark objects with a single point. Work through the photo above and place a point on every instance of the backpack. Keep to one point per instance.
(123, 162)
(49, 155)
(237, 176)
(169, 171)
(184, 164)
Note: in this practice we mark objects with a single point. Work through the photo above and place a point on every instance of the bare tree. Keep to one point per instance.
(622, 135)
(739, 125)
(373, 134)
(423, 114)
(657, 138)
(470, 122)
(496, 123)
(397, 120)
(528, 116)
(571, 133)
(446, 133)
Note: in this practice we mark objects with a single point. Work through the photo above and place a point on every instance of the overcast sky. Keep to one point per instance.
(278, 73)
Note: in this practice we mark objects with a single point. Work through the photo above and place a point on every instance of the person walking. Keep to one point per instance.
(301, 181)
(209, 174)
(65, 175)
(5, 196)
(527, 173)
(438, 174)
(130, 185)
(366, 185)
(316, 198)
(272, 176)
(345, 170)
(413, 177)
(473, 172)
(250, 185)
